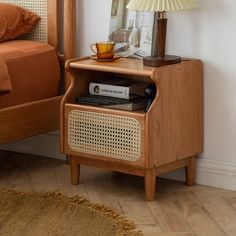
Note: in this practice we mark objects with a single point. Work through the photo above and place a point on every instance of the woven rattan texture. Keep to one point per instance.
(105, 135)
(39, 33)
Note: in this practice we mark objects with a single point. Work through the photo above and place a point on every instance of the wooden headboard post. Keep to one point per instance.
(53, 23)
(69, 34)
(69, 31)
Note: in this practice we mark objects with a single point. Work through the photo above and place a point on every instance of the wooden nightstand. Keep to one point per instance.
(166, 137)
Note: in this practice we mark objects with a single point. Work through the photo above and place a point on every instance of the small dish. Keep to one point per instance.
(115, 57)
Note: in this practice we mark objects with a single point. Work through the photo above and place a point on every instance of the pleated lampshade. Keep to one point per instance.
(161, 5)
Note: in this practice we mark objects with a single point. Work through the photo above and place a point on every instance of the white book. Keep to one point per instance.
(119, 88)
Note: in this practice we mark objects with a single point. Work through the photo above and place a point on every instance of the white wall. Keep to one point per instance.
(93, 23)
(208, 33)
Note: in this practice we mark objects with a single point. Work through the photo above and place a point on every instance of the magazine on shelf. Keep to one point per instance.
(119, 88)
(135, 103)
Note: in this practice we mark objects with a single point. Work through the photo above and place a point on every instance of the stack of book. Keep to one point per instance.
(125, 94)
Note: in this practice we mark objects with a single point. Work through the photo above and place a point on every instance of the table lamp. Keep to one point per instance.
(161, 6)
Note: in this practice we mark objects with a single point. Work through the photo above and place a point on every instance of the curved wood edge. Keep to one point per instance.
(62, 108)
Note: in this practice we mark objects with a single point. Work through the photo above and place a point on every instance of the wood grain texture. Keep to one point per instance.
(174, 121)
(190, 170)
(221, 211)
(69, 28)
(29, 119)
(69, 35)
(177, 211)
(196, 215)
(167, 213)
(150, 184)
(171, 128)
(121, 66)
(53, 23)
(74, 170)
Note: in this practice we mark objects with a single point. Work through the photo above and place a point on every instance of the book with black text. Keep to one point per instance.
(112, 102)
(119, 88)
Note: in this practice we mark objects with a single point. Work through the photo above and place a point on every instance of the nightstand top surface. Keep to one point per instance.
(121, 65)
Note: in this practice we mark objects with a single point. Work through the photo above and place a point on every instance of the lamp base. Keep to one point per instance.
(161, 61)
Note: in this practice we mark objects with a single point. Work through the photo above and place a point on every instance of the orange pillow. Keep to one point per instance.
(15, 21)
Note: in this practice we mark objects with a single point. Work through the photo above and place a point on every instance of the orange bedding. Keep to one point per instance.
(29, 70)
(5, 84)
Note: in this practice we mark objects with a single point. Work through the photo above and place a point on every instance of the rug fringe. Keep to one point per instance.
(127, 227)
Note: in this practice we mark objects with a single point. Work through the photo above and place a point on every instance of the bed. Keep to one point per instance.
(30, 100)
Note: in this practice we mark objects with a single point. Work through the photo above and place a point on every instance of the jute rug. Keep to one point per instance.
(41, 214)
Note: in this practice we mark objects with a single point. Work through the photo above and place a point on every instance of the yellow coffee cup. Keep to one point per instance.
(103, 50)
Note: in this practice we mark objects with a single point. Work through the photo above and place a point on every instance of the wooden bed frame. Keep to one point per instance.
(42, 116)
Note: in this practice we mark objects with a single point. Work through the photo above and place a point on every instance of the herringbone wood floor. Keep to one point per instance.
(178, 210)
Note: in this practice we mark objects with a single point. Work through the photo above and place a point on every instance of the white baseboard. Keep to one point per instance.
(216, 174)
(208, 172)
(42, 145)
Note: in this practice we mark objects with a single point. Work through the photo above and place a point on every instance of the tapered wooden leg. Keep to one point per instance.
(190, 171)
(150, 184)
(74, 170)
(67, 159)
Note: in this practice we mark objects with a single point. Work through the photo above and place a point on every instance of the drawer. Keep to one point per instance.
(108, 134)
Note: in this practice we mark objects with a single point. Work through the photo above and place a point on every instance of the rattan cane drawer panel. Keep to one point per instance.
(108, 135)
